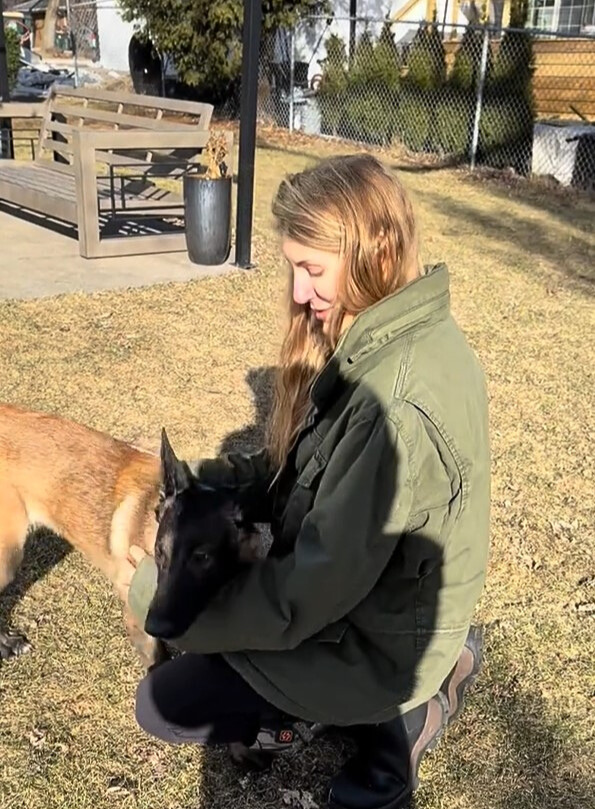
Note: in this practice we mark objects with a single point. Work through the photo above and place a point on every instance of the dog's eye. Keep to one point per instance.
(201, 556)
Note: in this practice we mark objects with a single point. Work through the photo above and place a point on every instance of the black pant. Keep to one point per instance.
(202, 699)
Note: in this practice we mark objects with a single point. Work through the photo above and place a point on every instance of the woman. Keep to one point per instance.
(375, 479)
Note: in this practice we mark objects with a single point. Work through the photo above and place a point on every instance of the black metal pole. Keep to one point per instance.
(248, 102)
(6, 144)
(352, 24)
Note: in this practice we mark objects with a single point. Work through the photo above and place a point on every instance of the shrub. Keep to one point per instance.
(427, 59)
(331, 96)
(506, 126)
(13, 55)
(506, 132)
(454, 117)
(371, 104)
(414, 119)
(464, 74)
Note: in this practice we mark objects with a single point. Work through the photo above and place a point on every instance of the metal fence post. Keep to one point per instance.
(73, 41)
(480, 88)
(291, 76)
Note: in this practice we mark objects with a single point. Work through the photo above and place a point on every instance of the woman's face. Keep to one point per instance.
(315, 277)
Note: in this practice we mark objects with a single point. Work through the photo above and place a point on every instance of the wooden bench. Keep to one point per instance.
(100, 163)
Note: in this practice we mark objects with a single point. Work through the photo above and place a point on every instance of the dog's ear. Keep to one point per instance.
(175, 474)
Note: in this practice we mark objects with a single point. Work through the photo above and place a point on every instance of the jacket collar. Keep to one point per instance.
(422, 302)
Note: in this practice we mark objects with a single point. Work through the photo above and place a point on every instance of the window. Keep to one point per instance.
(542, 14)
(561, 16)
(575, 15)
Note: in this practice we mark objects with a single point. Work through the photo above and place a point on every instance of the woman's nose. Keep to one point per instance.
(303, 291)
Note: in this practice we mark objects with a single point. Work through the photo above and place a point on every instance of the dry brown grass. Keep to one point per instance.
(180, 355)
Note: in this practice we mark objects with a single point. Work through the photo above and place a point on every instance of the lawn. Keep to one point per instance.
(194, 357)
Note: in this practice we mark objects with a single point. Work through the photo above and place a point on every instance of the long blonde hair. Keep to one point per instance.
(353, 206)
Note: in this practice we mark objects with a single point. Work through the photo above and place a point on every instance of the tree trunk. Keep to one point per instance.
(49, 28)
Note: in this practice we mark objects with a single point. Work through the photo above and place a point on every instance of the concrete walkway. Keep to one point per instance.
(37, 262)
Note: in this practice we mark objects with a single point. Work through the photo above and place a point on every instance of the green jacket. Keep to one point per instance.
(380, 524)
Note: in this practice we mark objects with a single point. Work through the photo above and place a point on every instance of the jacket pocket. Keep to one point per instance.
(333, 633)
(311, 470)
(301, 497)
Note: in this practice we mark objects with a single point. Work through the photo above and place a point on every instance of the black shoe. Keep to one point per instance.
(279, 739)
(383, 774)
(274, 737)
(464, 673)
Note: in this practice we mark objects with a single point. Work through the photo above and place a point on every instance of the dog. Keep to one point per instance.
(96, 492)
(103, 495)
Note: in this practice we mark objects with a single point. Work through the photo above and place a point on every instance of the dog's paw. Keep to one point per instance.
(13, 644)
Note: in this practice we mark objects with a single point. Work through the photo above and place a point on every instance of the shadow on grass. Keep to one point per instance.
(572, 250)
(43, 551)
(525, 763)
(494, 231)
(251, 438)
(573, 207)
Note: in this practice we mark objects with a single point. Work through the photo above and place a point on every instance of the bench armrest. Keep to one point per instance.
(138, 139)
(22, 109)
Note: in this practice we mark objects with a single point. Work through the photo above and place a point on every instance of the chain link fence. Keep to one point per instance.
(84, 33)
(477, 95)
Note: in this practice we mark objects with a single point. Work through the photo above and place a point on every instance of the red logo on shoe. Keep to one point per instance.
(285, 736)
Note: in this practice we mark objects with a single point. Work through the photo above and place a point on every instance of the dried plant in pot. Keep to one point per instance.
(207, 205)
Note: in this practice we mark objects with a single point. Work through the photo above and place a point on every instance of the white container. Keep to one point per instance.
(565, 151)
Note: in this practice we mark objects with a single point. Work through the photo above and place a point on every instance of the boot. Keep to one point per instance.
(383, 772)
(464, 673)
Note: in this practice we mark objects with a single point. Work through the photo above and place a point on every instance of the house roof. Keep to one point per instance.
(36, 5)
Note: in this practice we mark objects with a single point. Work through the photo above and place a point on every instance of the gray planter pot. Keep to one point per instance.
(207, 205)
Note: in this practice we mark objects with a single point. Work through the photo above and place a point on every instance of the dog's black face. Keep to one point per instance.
(197, 548)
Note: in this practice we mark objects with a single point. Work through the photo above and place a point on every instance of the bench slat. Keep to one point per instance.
(59, 146)
(110, 159)
(56, 126)
(123, 120)
(42, 180)
(153, 102)
(34, 188)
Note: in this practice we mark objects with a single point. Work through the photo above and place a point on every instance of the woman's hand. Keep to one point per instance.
(136, 554)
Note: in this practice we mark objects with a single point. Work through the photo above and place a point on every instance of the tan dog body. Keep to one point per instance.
(96, 492)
